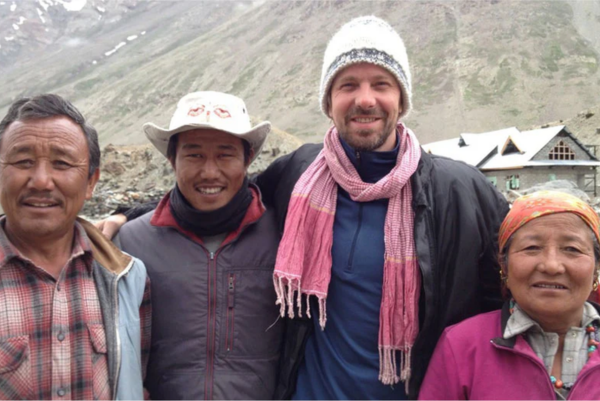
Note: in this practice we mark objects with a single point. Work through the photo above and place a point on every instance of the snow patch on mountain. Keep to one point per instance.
(73, 5)
(111, 52)
(69, 5)
(41, 15)
(44, 5)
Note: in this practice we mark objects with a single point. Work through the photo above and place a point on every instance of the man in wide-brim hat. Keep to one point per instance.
(210, 249)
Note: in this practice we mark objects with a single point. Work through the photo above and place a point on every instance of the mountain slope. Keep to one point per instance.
(477, 65)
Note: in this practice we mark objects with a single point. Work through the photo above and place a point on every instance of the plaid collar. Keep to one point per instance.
(520, 322)
(81, 247)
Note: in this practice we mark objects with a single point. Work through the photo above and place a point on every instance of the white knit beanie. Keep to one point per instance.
(366, 40)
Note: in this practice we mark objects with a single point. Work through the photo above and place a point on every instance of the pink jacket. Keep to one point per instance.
(473, 362)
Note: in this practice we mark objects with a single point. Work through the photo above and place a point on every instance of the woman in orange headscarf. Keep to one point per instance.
(544, 343)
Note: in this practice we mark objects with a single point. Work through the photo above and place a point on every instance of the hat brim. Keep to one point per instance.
(159, 137)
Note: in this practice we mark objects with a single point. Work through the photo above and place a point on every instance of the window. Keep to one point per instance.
(512, 182)
(552, 177)
(493, 180)
(510, 148)
(561, 152)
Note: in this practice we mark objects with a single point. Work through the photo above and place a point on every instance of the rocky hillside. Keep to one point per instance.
(585, 126)
(477, 64)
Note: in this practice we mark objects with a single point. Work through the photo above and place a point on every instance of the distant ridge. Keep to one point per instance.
(477, 65)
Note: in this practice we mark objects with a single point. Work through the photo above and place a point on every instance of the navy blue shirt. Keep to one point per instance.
(342, 362)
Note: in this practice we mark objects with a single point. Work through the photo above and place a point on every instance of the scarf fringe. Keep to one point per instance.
(285, 299)
(388, 366)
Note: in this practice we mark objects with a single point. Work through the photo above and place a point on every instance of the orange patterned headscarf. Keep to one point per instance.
(542, 203)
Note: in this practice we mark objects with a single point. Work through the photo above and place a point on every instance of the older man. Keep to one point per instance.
(74, 310)
(389, 244)
(210, 249)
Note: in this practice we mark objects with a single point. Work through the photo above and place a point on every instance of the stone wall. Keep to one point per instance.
(528, 177)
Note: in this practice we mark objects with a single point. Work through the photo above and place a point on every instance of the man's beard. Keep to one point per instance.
(357, 139)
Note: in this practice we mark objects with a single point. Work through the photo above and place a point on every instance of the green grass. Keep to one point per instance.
(592, 67)
(569, 72)
(551, 55)
(526, 68)
(476, 93)
(505, 80)
(185, 84)
(243, 80)
(87, 84)
(296, 68)
(273, 95)
(512, 112)
(266, 30)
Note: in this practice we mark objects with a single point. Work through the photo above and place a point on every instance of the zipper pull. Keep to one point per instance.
(231, 292)
(212, 256)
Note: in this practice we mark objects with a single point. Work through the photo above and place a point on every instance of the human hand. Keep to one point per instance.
(110, 226)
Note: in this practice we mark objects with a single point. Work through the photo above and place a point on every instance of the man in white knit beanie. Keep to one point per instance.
(383, 245)
(367, 43)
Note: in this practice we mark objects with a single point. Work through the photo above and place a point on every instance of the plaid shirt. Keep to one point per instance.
(545, 345)
(52, 338)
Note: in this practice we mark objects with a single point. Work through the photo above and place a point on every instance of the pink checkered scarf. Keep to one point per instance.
(304, 258)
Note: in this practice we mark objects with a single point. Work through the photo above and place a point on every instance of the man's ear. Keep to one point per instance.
(172, 162)
(91, 184)
(251, 156)
(400, 105)
(503, 269)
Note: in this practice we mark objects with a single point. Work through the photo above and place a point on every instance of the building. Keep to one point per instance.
(513, 159)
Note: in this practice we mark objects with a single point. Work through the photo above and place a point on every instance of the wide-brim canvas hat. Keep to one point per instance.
(210, 110)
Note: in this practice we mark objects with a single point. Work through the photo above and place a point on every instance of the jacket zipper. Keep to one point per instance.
(433, 262)
(535, 362)
(118, 337)
(580, 379)
(229, 330)
(212, 317)
(210, 338)
(349, 267)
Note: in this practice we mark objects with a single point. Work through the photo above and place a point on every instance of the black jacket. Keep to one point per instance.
(457, 217)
